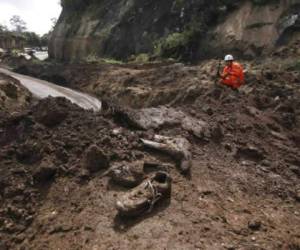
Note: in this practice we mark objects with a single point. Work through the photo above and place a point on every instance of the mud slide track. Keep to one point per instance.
(42, 89)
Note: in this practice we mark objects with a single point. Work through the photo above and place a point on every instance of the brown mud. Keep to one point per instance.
(242, 191)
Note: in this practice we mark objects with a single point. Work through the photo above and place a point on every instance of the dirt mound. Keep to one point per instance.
(51, 112)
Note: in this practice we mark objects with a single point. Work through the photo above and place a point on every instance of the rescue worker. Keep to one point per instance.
(233, 73)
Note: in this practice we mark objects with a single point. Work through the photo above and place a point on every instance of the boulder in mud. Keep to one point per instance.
(151, 118)
(52, 111)
(95, 159)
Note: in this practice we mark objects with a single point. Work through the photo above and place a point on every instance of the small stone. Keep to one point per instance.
(44, 173)
(117, 131)
(88, 228)
(60, 229)
(19, 238)
(208, 110)
(266, 163)
(254, 225)
(228, 146)
(252, 111)
(297, 195)
(29, 219)
(295, 170)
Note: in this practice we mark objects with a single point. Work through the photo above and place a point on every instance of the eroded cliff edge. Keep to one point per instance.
(172, 28)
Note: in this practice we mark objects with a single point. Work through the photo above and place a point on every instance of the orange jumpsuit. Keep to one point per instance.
(233, 75)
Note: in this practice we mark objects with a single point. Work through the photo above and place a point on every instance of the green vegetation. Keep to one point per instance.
(141, 58)
(175, 45)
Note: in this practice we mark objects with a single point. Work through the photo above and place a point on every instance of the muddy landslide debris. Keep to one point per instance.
(63, 169)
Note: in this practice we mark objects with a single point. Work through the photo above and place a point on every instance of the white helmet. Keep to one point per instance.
(228, 58)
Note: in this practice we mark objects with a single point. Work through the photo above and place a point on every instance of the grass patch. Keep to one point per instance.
(175, 45)
(140, 58)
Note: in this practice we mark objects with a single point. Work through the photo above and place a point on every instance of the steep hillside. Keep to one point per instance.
(172, 28)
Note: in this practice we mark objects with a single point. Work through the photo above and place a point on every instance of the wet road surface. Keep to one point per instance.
(42, 89)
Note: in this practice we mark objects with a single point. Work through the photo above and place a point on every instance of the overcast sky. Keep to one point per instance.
(36, 13)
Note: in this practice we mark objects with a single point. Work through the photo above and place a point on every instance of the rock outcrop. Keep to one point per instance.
(171, 28)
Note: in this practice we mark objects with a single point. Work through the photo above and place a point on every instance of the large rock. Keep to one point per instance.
(153, 118)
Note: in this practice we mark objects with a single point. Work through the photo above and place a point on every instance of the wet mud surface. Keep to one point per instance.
(241, 191)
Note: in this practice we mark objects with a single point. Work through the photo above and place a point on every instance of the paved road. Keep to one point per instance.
(42, 89)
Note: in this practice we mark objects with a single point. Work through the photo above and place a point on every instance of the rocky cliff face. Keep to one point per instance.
(172, 28)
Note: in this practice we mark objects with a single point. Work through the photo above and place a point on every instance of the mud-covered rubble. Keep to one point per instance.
(53, 139)
(13, 96)
(62, 168)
